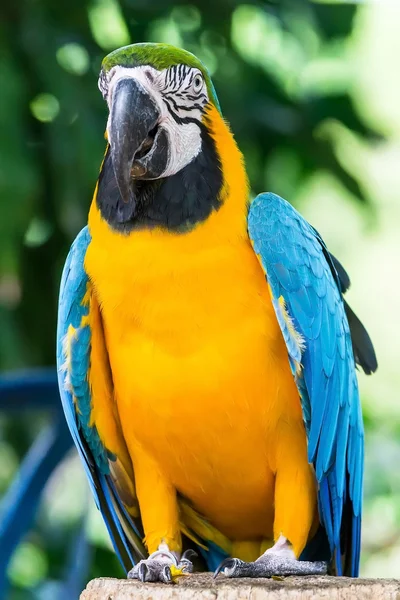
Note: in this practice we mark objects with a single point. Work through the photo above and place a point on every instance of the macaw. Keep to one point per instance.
(206, 355)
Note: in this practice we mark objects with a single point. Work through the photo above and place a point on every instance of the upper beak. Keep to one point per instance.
(133, 115)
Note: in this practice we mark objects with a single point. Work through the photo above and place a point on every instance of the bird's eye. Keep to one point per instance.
(197, 83)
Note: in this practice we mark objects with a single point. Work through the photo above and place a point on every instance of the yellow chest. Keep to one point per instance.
(184, 317)
(199, 364)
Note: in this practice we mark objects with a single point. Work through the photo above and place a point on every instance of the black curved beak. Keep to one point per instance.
(134, 116)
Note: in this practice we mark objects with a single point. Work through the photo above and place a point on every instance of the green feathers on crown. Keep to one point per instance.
(159, 56)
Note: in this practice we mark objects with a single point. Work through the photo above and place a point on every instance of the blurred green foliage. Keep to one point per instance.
(52, 119)
(285, 83)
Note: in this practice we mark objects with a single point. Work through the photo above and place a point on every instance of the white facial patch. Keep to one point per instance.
(180, 93)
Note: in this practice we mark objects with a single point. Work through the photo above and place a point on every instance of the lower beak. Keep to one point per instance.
(133, 125)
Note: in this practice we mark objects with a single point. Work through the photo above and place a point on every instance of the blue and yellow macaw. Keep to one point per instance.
(206, 355)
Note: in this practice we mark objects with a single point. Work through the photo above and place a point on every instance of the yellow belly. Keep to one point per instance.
(201, 374)
(206, 418)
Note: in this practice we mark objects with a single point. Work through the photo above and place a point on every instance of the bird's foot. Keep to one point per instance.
(163, 566)
(277, 561)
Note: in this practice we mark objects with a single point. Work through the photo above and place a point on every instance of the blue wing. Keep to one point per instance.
(73, 365)
(300, 271)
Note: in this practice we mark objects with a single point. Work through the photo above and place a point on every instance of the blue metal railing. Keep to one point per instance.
(36, 390)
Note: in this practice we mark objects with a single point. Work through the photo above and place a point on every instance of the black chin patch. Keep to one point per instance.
(109, 200)
(176, 203)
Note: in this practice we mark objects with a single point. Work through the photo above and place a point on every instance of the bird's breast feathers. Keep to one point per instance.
(197, 356)
(195, 351)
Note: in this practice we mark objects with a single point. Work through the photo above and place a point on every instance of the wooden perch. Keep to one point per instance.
(203, 587)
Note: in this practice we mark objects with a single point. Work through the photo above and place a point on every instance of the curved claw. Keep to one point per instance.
(142, 572)
(188, 554)
(228, 563)
(185, 564)
(166, 575)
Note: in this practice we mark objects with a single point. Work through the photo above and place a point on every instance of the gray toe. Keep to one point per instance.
(270, 565)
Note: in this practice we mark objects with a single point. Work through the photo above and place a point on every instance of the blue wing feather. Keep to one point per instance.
(76, 402)
(298, 269)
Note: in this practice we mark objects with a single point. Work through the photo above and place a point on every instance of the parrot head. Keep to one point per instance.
(161, 165)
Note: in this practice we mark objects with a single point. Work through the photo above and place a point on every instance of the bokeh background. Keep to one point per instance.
(312, 91)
